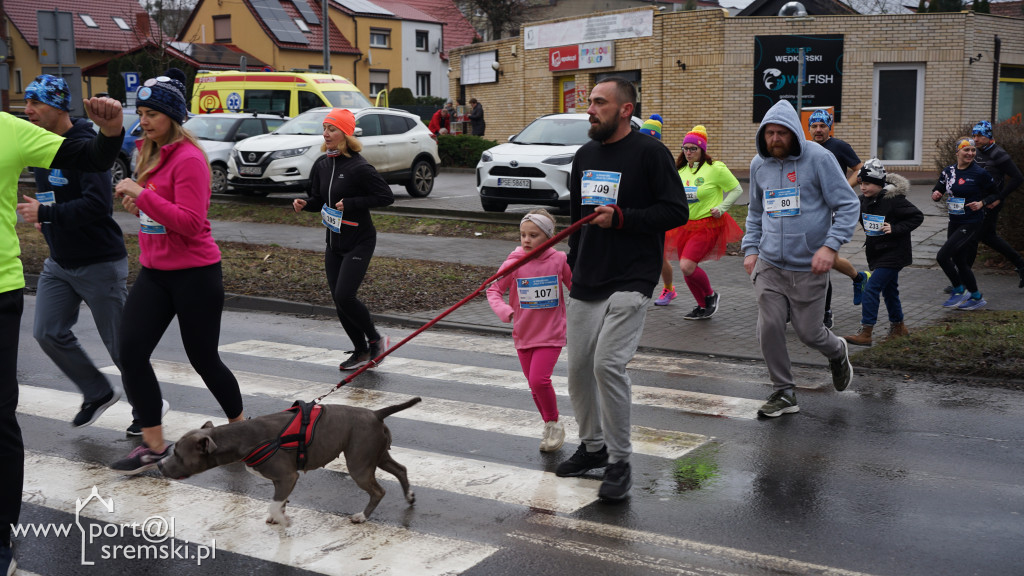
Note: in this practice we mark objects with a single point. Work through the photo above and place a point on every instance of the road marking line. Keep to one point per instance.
(668, 398)
(317, 541)
(466, 476)
(659, 443)
(630, 536)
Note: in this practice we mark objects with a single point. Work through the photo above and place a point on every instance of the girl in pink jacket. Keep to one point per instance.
(536, 308)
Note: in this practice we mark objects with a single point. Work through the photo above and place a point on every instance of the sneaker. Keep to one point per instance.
(7, 563)
(842, 370)
(858, 286)
(379, 347)
(136, 429)
(697, 313)
(779, 403)
(618, 479)
(827, 320)
(711, 305)
(92, 410)
(358, 359)
(666, 297)
(140, 460)
(972, 304)
(956, 299)
(582, 461)
(554, 436)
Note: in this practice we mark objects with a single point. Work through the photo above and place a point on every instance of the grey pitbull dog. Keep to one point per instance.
(358, 432)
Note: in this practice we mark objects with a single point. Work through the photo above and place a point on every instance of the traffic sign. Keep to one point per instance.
(131, 82)
(56, 37)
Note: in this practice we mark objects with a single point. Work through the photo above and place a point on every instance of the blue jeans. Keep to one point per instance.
(59, 295)
(884, 282)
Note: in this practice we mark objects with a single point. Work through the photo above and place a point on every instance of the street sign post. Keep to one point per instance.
(131, 85)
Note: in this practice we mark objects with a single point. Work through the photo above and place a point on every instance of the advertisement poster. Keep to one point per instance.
(776, 69)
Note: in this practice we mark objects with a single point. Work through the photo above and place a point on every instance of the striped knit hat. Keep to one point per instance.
(652, 127)
(698, 136)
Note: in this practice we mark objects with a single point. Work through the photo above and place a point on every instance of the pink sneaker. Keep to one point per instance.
(666, 297)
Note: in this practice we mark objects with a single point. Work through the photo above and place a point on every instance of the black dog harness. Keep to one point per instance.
(297, 435)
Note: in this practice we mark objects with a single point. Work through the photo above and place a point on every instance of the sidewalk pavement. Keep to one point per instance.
(731, 333)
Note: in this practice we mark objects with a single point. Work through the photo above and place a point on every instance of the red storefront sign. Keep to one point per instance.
(563, 58)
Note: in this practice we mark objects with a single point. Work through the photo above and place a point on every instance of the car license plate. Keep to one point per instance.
(250, 170)
(513, 183)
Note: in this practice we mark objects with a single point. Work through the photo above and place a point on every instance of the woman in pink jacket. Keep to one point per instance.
(536, 308)
(181, 270)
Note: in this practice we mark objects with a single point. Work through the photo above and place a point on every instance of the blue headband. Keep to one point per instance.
(820, 115)
(50, 90)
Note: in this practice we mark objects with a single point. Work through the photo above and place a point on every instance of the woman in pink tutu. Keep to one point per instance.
(711, 190)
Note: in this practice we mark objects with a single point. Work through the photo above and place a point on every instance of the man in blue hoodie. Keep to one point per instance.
(790, 244)
(87, 262)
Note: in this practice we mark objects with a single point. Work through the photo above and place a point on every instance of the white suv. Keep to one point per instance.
(394, 141)
(533, 168)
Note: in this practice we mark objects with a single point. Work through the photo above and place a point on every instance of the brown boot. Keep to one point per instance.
(862, 337)
(897, 329)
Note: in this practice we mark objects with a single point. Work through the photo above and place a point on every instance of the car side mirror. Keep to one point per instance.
(357, 132)
(511, 137)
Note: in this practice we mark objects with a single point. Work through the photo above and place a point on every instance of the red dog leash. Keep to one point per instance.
(498, 275)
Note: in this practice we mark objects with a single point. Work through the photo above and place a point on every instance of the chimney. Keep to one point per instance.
(142, 26)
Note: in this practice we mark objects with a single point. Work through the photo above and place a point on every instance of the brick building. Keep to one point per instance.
(919, 74)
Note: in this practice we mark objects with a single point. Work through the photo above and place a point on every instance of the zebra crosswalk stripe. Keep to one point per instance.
(668, 398)
(659, 443)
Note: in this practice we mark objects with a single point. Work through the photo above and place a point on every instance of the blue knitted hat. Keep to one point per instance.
(50, 90)
(820, 115)
(165, 94)
(983, 128)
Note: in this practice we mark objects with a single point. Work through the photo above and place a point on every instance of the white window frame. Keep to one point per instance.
(420, 77)
(380, 32)
(426, 40)
(375, 81)
(88, 21)
(121, 23)
(919, 67)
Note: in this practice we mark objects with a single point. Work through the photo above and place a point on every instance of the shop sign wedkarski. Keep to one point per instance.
(581, 56)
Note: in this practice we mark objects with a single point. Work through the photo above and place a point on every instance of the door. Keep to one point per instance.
(374, 149)
(898, 113)
(568, 91)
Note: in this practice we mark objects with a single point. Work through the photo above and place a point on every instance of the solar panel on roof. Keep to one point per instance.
(307, 13)
(279, 22)
(364, 7)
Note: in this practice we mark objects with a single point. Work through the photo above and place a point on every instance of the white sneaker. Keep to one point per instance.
(554, 436)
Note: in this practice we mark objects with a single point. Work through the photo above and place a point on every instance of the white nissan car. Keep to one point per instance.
(394, 141)
(533, 168)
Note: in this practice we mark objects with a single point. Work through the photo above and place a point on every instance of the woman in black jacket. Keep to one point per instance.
(343, 187)
(887, 217)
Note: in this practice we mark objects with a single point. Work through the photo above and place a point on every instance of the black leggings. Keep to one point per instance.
(345, 273)
(196, 297)
(957, 254)
(991, 237)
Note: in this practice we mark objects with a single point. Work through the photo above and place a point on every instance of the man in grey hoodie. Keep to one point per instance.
(790, 244)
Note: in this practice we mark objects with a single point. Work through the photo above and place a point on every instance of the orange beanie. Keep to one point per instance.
(341, 119)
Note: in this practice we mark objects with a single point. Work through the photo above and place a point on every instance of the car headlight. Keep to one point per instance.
(289, 152)
(486, 157)
(558, 160)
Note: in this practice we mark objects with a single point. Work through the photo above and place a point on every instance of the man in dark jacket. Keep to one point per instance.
(994, 159)
(87, 262)
(476, 117)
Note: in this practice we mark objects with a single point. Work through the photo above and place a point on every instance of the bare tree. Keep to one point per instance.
(503, 16)
(169, 15)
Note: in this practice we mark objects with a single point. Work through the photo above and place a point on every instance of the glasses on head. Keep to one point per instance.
(153, 81)
(690, 149)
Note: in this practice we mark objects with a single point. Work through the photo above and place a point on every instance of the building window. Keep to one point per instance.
(422, 40)
(18, 86)
(1011, 94)
(121, 23)
(378, 81)
(380, 38)
(88, 21)
(301, 24)
(222, 28)
(423, 83)
(898, 114)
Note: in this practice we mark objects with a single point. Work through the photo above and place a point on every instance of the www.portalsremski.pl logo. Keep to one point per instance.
(98, 539)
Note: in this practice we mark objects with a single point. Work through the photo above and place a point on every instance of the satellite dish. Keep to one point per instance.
(792, 10)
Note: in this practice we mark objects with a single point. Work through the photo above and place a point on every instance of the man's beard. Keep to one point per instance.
(780, 151)
(603, 130)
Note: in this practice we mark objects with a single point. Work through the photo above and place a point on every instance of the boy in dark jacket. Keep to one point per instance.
(887, 217)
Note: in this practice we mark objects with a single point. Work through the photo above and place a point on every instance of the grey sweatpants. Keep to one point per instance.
(601, 337)
(805, 293)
